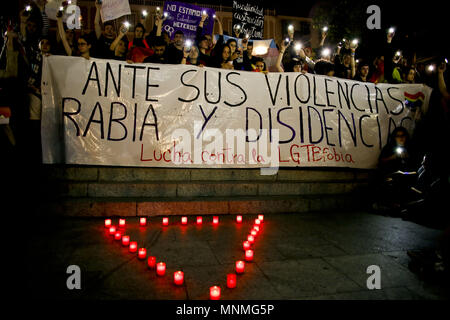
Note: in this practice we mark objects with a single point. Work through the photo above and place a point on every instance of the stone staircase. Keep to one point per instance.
(111, 191)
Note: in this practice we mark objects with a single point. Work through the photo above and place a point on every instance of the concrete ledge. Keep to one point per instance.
(156, 207)
(133, 174)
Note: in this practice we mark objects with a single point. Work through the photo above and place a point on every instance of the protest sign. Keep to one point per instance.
(113, 9)
(101, 112)
(249, 16)
(185, 17)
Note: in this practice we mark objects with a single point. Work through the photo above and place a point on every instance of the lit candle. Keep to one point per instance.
(133, 246)
(214, 293)
(251, 239)
(257, 222)
(118, 236)
(121, 223)
(183, 220)
(248, 255)
(126, 240)
(112, 230)
(238, 219)
(178, 278)
(240, 265)
(165, 221)
(256, 228)
(231, 280)
(261, 217)
(107, 223)
(215, 220)
(254, 233)
(142, 221)
(142, 253)
(246, 245)
(199, 220)
(151, 262)
(160, 268)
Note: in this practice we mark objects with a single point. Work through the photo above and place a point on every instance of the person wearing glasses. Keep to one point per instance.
(84, 42)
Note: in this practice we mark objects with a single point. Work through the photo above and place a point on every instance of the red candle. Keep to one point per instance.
(257, 222)
(160, 268)
(142, 221)
(183, 220)
(121, 223)
(133, 246)
(251, 239)
(178, 278)
(256, 228)
(142, 253)
(216, 222)
(248, 255)
(231, 280)
(240, 265)
(165, 221)
(118, 236)
(107, 223)
(214, 293)
(254, 233)
(246, 245)
(112, 230)
(126, 240)
(199, 220)
(151, 262)
(261, 217)
(238, 219)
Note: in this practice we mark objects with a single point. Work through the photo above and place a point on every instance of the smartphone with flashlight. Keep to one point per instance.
(188, 45)
(286, 42)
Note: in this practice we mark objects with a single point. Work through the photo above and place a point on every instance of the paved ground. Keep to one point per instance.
(297, 256)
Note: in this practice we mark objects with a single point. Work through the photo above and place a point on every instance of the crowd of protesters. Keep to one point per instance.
(25, 47)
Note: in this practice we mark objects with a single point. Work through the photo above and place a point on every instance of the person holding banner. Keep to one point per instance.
(203, 43)
(104, 38)
(119, 48)
(84, 42)
(159, 51)
(175, 49)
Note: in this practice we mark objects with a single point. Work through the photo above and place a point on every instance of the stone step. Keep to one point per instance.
(171, 189)
(125, 174)
(108, 207)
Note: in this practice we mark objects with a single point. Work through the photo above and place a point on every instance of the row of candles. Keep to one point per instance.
(178, 276)
(165, 221)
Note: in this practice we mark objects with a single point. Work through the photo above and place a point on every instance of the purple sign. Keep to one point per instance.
(186, 17)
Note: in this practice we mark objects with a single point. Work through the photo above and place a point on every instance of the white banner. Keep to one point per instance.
(113, 9)
(102, 112)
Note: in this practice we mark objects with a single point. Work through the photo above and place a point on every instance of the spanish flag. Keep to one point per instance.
(414, 100)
